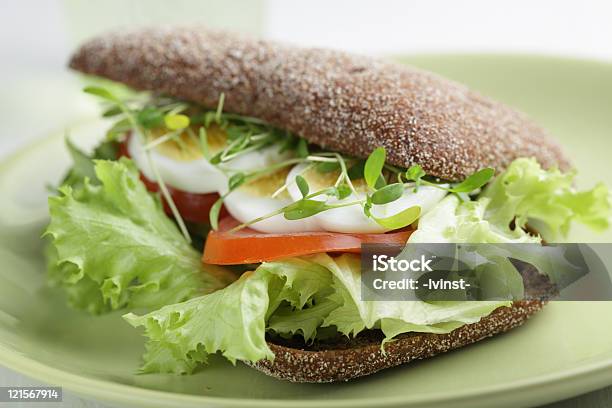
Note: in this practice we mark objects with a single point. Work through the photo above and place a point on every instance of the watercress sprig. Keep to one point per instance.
(140, 129)
(471, 183)
(379, 192)
(385, 183)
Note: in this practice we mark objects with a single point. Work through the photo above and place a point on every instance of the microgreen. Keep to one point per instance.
(118, 129)
(373, 171)
(471, 183)
(367, 207)
(208, 118)
(284, 186)
(220, 108)
(234, 132)
(150, 117)
(236, 180)
(213, 215)
(302, 185)
(401, 219)
(302, 148)
(327, 167)
(476, 180)
(176, 121)
(355, 172)
(319, 158)
(101, 93)
(380, 182)
(415, 173)
(141, 131)
(388, 194)
(163, 139)
(216, 159)
(169, 200)
(343, 191)
(304, 208)
(244, 119)
(204, 143)
(112, 111)
(344, 176)
(373, 166)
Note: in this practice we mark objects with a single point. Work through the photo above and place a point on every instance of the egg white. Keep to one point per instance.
(194, 176)
(351, 219)
(245, 206)
(199, 176)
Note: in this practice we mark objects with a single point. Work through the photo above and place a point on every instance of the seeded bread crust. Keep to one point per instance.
(365, 357)
(343, 102)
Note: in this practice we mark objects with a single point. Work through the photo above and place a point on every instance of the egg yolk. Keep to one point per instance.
(187, 146)
(268, 185)
(318, 180)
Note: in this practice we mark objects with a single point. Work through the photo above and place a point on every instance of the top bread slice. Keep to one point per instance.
(342, 102)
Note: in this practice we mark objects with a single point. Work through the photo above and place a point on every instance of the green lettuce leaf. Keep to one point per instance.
(295, 296)
(113, 246)
(84, 294)
(393, 317)
(232, 320)
(545, 198)
(83, 164)
(306, 322)
(524, 193)
(454, 221)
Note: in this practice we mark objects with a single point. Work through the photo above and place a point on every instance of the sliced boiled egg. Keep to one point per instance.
(255, 199)
(182, 165)
(255, 160)
(351, 219)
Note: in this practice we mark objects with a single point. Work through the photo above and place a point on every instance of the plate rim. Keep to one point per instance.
(115, 392)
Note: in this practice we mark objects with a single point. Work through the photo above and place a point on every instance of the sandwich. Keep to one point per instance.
(226, 209)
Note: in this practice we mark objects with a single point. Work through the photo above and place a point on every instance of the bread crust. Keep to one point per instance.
(343, 364)
(343, 102)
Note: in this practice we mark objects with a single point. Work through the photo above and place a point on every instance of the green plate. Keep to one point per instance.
(561, 352)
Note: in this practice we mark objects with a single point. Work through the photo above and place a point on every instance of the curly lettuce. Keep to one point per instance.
(525, 194)
(546, 199)
(83, 164)
(295, 296)
(113, 247)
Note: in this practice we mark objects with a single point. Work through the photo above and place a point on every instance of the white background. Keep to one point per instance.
(578, 28)
(38, 94)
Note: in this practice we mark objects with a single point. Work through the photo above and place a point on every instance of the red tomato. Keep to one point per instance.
(192, 207)
(249, 246)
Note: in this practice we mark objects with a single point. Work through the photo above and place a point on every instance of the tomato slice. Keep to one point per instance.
(249, 246)
(192, 207)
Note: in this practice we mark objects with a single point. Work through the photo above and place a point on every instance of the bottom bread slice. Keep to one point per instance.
(364, 357)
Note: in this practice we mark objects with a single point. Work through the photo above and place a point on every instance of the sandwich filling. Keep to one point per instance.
(289, 216)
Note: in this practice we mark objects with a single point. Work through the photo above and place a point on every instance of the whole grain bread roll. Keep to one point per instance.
(364, 356)
(343, 102)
